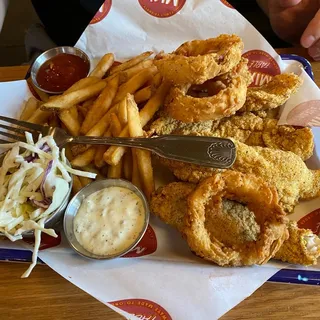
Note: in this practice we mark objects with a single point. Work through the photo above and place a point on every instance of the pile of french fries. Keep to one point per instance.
(113, 101)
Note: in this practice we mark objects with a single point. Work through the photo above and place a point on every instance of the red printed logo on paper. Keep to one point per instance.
(225, 2)
(102, 12)
(46, 241)
(305, 114)
(147, 245)
(311, 221)
(262, 66)
(162, 8)
(142, 309)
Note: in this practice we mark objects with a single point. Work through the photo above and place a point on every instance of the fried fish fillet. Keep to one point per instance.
(273, 94)
(284, 170)
(248, 128)
(170, 204)
(216, 226)
(302, 247)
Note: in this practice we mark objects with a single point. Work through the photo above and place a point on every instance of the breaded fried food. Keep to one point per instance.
(284, 170)
(200, 60)
(229, 96)
(213, 235)
(272, 94)
(248, 128)
(231, 219)
(302, 247)
(169, 203)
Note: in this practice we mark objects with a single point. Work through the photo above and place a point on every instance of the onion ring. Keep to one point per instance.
(200, 60)
(231, 97)
(202, 220)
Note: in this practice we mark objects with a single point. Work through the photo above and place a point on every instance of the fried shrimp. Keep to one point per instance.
(200, 60)
(209, 232)
(230, 96)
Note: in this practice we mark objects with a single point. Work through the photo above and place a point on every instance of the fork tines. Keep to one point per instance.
(17, 132)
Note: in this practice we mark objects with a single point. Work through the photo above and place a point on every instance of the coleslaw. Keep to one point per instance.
(34, 181)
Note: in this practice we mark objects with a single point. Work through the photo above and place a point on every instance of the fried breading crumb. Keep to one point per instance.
(302, 247)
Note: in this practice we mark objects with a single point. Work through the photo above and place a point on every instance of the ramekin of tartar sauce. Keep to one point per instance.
(106, 219)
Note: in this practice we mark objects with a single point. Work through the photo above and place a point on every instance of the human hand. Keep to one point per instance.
(297, 21)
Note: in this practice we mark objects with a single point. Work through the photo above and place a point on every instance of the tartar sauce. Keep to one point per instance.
(109, 221)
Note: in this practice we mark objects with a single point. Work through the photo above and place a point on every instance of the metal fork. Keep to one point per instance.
(204, 151)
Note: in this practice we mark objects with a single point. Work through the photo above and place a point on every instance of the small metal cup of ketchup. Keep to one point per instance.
(57, 69)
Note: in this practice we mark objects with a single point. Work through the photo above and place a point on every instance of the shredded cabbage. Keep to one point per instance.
(33, 174)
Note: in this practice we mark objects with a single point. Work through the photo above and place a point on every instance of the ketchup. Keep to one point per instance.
(61, 72)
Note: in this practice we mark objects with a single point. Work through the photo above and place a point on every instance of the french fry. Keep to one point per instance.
(83, 111)
(101, 105)
(80, 117)
(85, 181)
(143, 94)
(122, 112)
(156, 81)
(74, 112)
(84, 158)
(143, 156)
(89, 103)
(101, 127)
(130, 63)
(98, 159)
(29, 108)
(76, 186)
(127, 165)
(104, 171)
(39, 116)
(103, 66)
(53, 120)
(69, 118)
(115, 125)
(42, 95)
(73, 98)
(154, 104)
(113, 155)
(136, 180)
(116, 170)
(92, 168)
(135, 83)
(82, 83)
(129, 73)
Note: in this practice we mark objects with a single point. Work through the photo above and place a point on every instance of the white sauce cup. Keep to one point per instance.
(75, 203)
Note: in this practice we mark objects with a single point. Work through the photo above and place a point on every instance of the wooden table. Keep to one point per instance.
(46, 295)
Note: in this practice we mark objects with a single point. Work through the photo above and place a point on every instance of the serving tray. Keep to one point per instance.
(301, 276)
